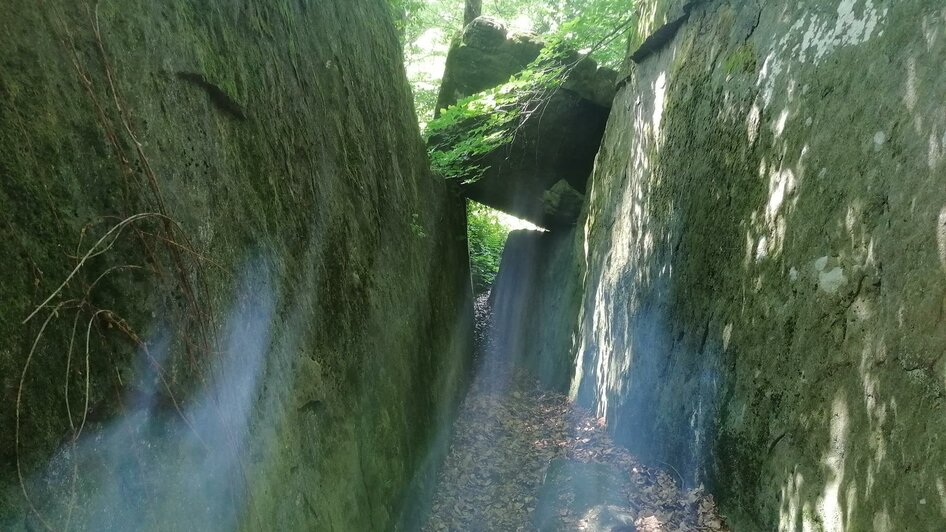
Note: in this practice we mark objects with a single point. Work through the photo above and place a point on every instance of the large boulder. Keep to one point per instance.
(283, 326)
(540, 174)
(763, 260)
(485, 55)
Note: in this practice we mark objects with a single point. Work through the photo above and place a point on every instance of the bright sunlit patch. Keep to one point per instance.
(660, 91)
(426, 56)
(512, 223)
(522, 23)
(830, 504)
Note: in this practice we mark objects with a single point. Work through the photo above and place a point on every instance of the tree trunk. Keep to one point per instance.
(474, 8)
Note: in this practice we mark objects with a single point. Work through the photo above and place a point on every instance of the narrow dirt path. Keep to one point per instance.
(525, 459)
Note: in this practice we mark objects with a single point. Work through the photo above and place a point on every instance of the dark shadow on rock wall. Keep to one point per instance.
(533, 303)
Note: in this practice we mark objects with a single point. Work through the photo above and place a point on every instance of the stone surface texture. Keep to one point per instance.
(761, 262)
(764, 261)
(558, 137)
(279, 138)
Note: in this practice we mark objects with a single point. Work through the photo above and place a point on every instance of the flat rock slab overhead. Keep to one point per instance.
(540, 174)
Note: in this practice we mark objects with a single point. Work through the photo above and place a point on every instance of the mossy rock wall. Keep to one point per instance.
(298, 220)
(765, 261)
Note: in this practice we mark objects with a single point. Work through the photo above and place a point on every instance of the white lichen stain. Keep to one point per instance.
(936, 150)
(852, 217)
(771, 71)
(812, 38)
(781, 184)
(831, 281)
(660, 91)
(779, 127)
(761, 249)
(849, 29)
(910, 93)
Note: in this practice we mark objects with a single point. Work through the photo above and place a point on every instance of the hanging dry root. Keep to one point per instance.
(168, 253)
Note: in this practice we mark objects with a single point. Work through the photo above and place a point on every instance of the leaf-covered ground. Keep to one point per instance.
(508, 433)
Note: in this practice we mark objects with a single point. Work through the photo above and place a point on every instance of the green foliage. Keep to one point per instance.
(426, 28)
(597, 27)
(487, 236)
(479, 124)
(406, 20)
(585, 25)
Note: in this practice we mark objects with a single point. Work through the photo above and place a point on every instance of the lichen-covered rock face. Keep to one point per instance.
(765, 260)
(269, 319)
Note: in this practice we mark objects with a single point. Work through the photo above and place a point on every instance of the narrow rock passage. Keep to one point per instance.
(523, 458)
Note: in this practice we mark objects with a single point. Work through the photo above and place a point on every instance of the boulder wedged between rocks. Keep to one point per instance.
(540, 174)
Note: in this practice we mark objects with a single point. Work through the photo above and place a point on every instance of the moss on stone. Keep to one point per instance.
(742, 61)
(320, 180)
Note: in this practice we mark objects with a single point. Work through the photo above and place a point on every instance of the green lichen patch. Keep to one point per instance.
(742, 61)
